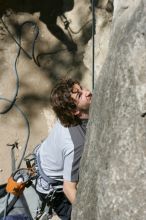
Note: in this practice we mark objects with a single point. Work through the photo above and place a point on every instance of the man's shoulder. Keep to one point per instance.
(60, 131)
(59, 125)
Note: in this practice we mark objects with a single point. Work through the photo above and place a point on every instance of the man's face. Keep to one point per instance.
(82, 98)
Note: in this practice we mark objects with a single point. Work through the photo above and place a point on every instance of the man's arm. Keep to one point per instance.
(70, 189)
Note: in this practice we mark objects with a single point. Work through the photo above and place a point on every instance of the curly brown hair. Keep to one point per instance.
(63, 104)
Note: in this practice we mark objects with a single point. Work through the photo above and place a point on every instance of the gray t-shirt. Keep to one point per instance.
(61, 152)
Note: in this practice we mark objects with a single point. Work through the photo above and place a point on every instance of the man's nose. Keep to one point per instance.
(87, 93)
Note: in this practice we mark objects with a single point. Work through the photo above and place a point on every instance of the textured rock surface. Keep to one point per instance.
(113, 168)
(101, 38)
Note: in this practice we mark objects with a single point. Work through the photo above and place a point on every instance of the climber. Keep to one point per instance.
(60, 153)
(49, 12)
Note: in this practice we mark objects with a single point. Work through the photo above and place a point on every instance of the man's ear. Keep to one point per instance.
(76, 112)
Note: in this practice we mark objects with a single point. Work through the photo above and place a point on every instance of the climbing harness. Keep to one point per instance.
(23, 177)
(55, 183)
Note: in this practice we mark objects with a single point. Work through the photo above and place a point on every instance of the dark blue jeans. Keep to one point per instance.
(60, 205)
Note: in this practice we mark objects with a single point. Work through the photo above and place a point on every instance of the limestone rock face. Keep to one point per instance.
(101, 38)
(113, 168)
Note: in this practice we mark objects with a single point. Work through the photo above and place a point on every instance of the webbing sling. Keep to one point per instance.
(3, 191)
(9, 207)
(51, 180)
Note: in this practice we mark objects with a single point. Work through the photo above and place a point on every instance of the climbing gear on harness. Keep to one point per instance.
(14, 187)
(33, 163)
(51, 180)
(9, 205)
(20, 179)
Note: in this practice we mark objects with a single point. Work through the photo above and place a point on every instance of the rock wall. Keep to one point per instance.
(113, 168)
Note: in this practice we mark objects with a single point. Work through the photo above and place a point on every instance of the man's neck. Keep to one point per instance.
(84, 116)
